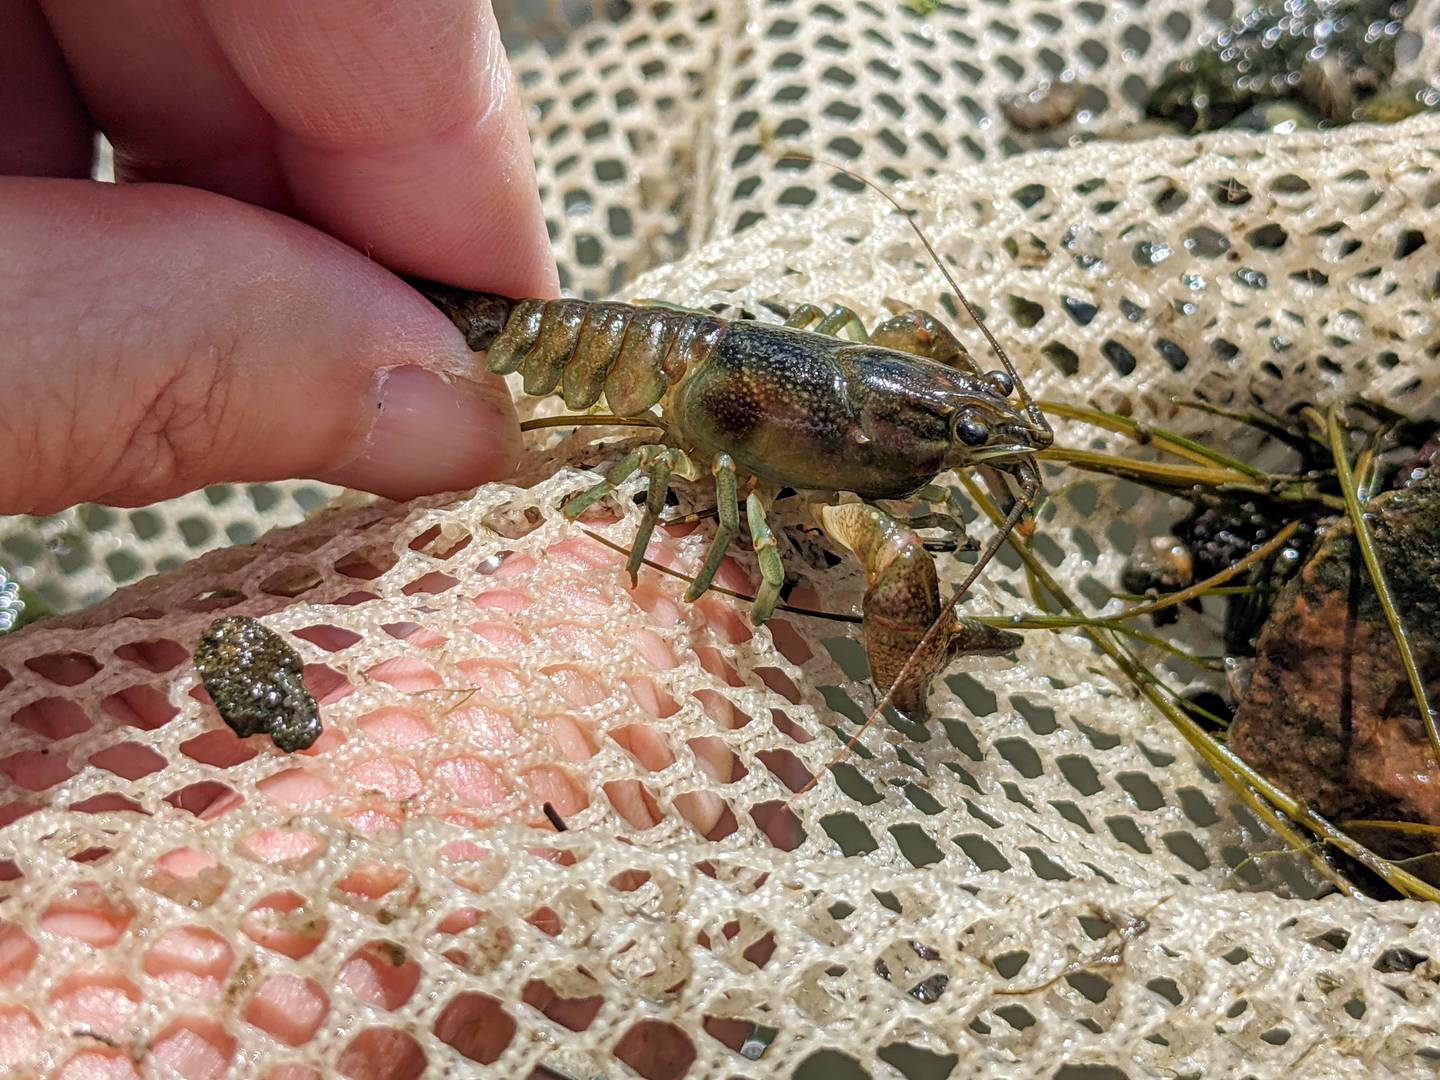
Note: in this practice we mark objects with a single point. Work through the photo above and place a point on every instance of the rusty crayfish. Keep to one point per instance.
(817, 406)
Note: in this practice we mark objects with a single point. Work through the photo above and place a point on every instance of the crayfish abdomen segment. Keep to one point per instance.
(630, 354)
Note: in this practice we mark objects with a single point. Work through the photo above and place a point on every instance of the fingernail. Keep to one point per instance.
(433, 434)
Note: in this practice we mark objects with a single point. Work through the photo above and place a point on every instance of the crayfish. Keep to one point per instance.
(818, 406)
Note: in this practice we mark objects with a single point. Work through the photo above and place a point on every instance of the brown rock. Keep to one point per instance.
(1330, 715)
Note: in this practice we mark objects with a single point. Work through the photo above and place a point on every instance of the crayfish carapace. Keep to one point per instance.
(818, 406)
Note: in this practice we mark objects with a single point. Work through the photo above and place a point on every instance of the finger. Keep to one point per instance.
(43, 127)
(157, 84)
(433, 175)
(159, 339)
(399, 130)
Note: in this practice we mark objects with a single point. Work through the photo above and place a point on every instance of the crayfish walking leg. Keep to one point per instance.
(772, 569)
(660, 463)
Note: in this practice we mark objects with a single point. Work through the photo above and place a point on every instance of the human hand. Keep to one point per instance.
(195, 323)
(178, 900)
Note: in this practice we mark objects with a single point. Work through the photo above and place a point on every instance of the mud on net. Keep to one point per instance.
(1043, 876)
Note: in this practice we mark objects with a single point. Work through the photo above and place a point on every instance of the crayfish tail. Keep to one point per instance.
(480, 316)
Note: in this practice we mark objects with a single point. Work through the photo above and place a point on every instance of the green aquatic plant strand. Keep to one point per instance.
(1197, 482)
(1267, 800)
(1299, 440)
(1366, 543)
(1164, 439)
(1202, 588)
(1415, 828)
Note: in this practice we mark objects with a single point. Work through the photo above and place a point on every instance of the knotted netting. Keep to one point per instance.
(1044, 877)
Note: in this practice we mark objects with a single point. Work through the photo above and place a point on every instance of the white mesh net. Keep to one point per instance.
(1044, 877)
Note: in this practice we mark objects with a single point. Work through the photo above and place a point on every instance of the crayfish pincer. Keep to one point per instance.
(817, 405)
(902, 602)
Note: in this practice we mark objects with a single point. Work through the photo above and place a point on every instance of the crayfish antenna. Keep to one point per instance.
(1030, 482)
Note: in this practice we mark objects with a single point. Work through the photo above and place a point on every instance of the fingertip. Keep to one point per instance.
(432, 433)
(419, 156)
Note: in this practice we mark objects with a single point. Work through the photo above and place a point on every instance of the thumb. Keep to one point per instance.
(158, 339)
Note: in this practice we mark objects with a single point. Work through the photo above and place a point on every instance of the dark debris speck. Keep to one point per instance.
(928, 991)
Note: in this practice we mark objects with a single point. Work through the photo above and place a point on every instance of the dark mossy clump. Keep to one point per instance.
(1218, 537)
(1212, 537)
(1334, 57)
(254, 678)
(1329, 714)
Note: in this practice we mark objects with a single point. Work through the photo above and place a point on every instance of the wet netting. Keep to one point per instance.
(1044, 878)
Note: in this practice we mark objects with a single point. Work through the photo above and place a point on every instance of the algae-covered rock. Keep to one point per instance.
(1329, 714)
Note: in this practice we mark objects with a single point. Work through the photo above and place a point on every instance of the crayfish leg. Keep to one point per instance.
(840, 321)
(665, 462)
(727, 507)
(955, 536)
(1006, 498)
(660, 462)
(804, 317)
(921, 334)
(772, 569)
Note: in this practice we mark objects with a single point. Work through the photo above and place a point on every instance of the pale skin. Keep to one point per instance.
(394, 783)
(231, 310)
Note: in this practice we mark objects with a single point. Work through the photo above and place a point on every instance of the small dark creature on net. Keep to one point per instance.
(819, 406)
(255, 679)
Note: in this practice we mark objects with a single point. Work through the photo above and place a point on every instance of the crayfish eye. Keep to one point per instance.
(1002, 381)
(972, 432)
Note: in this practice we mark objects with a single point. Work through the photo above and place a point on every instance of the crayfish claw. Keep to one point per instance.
(901, 604)
(920, 333)
(975, 638)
